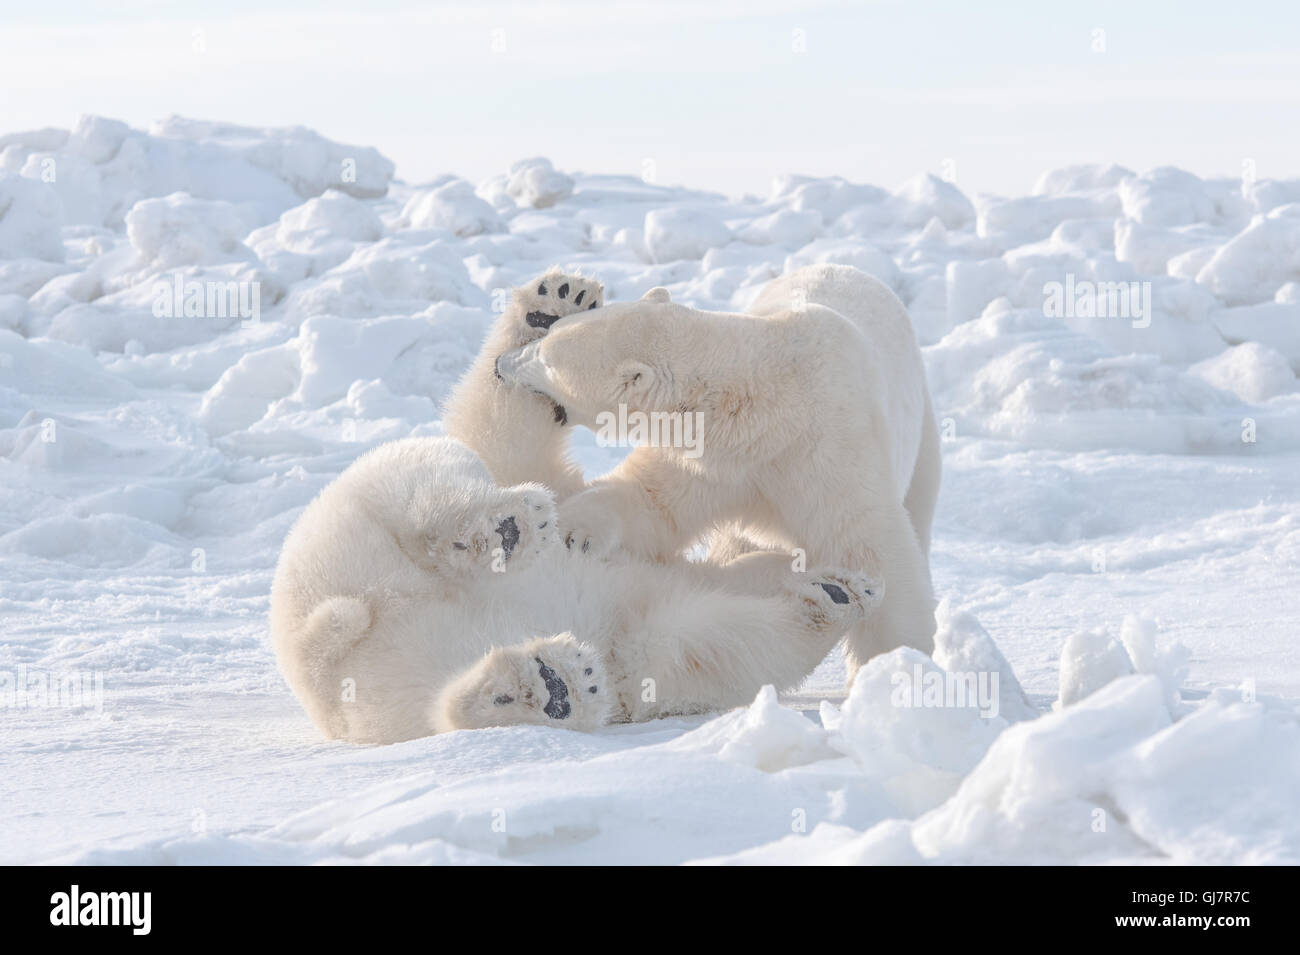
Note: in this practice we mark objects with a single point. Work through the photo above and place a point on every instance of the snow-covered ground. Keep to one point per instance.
(1119, 510)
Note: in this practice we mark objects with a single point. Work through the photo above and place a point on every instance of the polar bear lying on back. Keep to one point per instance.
(417, 595)
(817, 433)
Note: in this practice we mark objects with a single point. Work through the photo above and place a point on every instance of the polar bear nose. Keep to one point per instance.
(509, 532)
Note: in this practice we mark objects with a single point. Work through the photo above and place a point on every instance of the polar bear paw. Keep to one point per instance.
(539, 304)
(506, 535)
(555, 295)
(532, 524)
(835, 599)
(551, 681)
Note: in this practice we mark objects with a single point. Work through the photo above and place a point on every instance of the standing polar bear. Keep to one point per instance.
(818, 435)
(417, 594)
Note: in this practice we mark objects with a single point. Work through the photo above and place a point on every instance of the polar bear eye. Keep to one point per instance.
(635, 377)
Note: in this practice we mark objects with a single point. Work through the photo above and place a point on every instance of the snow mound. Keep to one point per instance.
(535, 183)
(1166, 197)
(301, 157)
(1081, 178)
(332, 214)
(683, 233)
(829, 198)
(101, 168)
(903, 728)
(452, 206)
(927, 197)
(181, 230)
(785, 227)
(961, 645)
(1253, 265)
(31, 220)
(1251, 371)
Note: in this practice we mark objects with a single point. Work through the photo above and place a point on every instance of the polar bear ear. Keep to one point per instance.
(635, 379)
(657, 294)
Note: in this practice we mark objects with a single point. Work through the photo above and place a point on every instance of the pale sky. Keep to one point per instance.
(722, 96)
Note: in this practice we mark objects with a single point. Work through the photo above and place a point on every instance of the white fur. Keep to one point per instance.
(396, 611)
(818, 433)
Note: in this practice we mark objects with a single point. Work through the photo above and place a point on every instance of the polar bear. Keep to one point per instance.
(817, 433)
(417, 594)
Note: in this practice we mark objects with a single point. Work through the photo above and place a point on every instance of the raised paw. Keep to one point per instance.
(539, 304)
(527, 526)
(831, 597)
(502, 533)
(552, 681)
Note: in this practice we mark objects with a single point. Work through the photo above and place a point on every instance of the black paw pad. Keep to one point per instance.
(541, 288)
(557, 707)
(563, 291)
(577, 299)
(509, 532)
(836, 593)
(591, 306)
(540, 319)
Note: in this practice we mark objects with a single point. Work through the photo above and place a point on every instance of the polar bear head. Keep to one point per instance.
(651, 355)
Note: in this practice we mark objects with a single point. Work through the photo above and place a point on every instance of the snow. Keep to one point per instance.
(534, 183)
(1253, 265)
(1116, 544)
(683, 233)
(181, 230)
(31, 220)
(452, 206)
(1253, 372)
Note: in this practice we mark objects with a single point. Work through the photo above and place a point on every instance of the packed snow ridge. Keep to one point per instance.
(203, 324)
